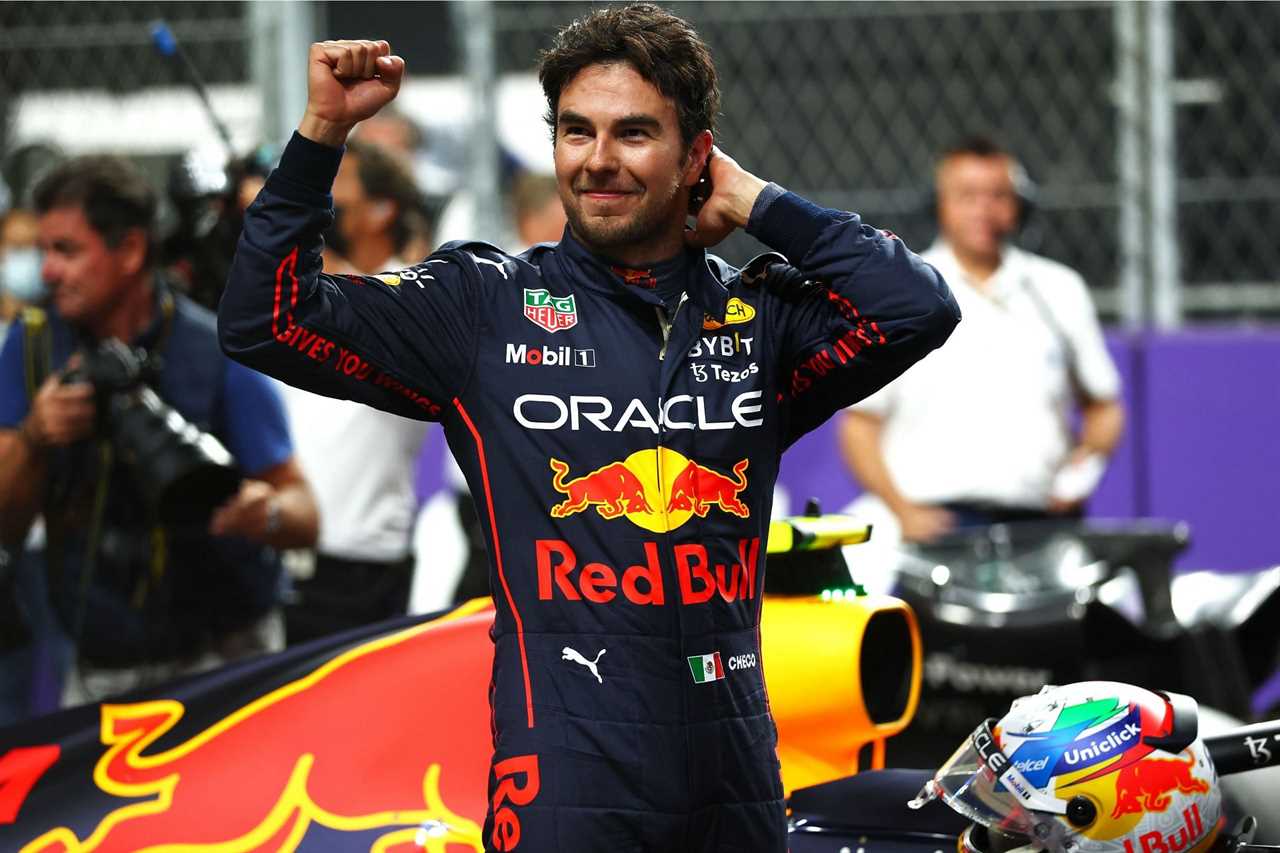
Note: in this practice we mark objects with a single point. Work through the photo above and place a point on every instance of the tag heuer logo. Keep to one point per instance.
(553, 313)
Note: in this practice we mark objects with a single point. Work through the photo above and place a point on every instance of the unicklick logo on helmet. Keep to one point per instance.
(1090, 734)
(657, 490)
(735, 313)
(553, 313)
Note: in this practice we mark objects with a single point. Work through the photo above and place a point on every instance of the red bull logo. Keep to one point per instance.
(657, 490)
(1186, 837)
(1145, 786)
(559, 575)
(518, 785)
(259, 779)
(697, 488)
(613, 490)
(636, 278)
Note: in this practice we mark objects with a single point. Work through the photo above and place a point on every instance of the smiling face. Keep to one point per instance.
(623, 170)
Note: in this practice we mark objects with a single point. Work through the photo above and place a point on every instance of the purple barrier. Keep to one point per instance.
(1212, 423)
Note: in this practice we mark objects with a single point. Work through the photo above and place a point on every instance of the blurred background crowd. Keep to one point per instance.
(1140, 142)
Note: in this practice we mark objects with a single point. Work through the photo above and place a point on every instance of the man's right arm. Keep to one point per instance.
(22, 475)
(404, 343)
(59, 415)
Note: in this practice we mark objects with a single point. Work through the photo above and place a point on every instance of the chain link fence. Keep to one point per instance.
(847, 103)
(83, 77)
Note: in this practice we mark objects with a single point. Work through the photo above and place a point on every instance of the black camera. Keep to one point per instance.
(182, 472)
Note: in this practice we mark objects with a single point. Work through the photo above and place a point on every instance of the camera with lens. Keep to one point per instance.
(182, 472)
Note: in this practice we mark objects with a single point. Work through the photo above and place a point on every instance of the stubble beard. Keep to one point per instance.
(608, 234)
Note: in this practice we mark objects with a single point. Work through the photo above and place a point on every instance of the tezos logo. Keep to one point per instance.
(553, 313)
(550, 356)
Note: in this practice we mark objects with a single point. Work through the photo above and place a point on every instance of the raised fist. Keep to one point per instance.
(347, 81)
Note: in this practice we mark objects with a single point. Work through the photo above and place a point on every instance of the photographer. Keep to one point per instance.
(147, 582)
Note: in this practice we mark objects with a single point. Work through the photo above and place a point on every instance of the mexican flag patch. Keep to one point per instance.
(552, 313)
(706, 668)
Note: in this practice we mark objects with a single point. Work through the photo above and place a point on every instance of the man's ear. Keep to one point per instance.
(699, 151)
(132, 251)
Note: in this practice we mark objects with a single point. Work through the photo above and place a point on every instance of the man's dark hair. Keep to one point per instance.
(977, 146)
(662, 48)
(385, 176)
(112, 193)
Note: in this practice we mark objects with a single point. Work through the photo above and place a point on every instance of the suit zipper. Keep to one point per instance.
(664, 325)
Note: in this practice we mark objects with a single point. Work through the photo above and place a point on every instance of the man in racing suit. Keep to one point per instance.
(618, 402)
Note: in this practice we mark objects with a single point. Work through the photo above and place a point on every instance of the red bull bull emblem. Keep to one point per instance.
(657, 490)
(259, 779)
(1145, 786)
(636, 278)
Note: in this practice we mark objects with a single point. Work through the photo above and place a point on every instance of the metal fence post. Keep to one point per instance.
(473, 21)
(281, 35)
(1166, 281)
(1128, 97)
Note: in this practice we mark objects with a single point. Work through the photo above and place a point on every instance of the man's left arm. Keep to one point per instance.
(862, 308)
(275, 505)
(1096, 384)
(1101, 425)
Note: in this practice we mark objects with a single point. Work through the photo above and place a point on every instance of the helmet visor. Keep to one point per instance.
(981, 783)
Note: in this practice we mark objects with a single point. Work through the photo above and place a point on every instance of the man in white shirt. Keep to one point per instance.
(980, 432)
(360, 461)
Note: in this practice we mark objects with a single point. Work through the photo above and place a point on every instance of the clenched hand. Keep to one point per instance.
(347, 82)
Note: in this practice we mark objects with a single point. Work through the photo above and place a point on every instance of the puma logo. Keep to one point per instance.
(573, 655)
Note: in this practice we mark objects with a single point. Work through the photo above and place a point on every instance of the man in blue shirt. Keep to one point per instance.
(140, 598)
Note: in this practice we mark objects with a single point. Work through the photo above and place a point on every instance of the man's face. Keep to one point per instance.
(86, 278)
(350, 201)
(621, 164)
(977, 203)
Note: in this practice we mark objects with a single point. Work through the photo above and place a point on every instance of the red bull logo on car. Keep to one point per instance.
(290, 762)
(657, 490)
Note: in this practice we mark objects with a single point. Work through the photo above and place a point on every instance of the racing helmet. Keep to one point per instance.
(1093, 767)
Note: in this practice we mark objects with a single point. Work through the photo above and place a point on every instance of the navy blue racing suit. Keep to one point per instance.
(622, 453)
